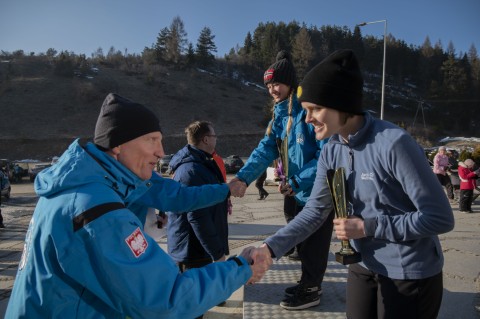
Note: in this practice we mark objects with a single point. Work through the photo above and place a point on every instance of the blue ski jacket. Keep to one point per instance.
(303, 151)
(86, 255)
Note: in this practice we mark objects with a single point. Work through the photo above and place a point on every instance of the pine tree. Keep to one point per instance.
(205, 47)
(190, 55)
(161, 45)
(246, 52)
(474, 61)
(454, 77)
(149, 55)
(98, 55)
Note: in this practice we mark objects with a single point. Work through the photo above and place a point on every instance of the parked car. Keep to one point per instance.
(37, 168)
(164, 163)
(5, 187)
(233, 164)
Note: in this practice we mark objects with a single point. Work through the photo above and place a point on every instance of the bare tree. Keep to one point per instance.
(177, 41)
(302, 52)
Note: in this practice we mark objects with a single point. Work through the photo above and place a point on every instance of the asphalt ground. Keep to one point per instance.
(251, 222)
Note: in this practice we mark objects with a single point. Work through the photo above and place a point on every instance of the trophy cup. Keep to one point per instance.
(282, 167)
(336, 183)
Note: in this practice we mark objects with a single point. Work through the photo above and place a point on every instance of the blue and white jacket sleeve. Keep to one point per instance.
(134, 276)
(169, 195)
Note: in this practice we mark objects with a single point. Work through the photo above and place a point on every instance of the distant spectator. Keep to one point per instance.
(441, 165)
(468, 179)
(262, 193)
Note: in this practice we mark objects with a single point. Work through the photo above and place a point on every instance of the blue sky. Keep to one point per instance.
(83, 26)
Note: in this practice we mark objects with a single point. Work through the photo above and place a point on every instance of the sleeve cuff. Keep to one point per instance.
(369, 226)
(240, 261)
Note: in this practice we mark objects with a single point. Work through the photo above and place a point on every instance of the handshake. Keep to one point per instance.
(237, 187)
(260, 261)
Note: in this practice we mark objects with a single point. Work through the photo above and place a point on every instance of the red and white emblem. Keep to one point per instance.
(137, 242)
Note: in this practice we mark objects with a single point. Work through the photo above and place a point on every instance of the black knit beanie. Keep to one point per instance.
(335, 83)
(282, 71)
(122, 120)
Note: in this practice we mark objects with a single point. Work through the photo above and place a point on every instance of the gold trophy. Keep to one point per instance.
(336, 183)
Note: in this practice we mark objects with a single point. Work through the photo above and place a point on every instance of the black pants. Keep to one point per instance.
(466, 199)
(370, 295)
(314, 250)
(445, 181)
(259, 183)
(290, 208)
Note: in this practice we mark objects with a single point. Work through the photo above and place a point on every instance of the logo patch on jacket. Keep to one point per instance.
(367, 176)
(300, 138)
(137, 242)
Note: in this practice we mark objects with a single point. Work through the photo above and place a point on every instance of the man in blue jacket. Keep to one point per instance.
(86, 254)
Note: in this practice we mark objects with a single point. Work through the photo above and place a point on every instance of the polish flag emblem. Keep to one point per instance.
(137, 242)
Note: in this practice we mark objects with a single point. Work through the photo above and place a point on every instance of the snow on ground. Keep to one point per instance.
(460, 139)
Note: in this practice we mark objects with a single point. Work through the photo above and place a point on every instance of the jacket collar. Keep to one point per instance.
(120, 178)
(358, 137)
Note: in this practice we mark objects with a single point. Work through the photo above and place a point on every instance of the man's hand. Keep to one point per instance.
(349, 228)
(261, 256)
(286, 189)
(223, 258)
(237, 187)
(259, 262)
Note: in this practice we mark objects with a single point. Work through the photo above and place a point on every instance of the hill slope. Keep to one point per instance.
(41, 113)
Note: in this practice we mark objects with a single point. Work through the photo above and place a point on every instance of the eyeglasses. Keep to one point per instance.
(211, 135)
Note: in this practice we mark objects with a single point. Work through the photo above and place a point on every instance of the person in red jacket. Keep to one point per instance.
(468, 179)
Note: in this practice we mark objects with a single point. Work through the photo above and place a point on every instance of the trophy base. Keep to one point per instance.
(348, 259)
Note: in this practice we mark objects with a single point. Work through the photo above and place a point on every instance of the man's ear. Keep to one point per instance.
(114, 151)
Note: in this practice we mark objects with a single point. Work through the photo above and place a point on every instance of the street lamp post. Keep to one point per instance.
(384, 60)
